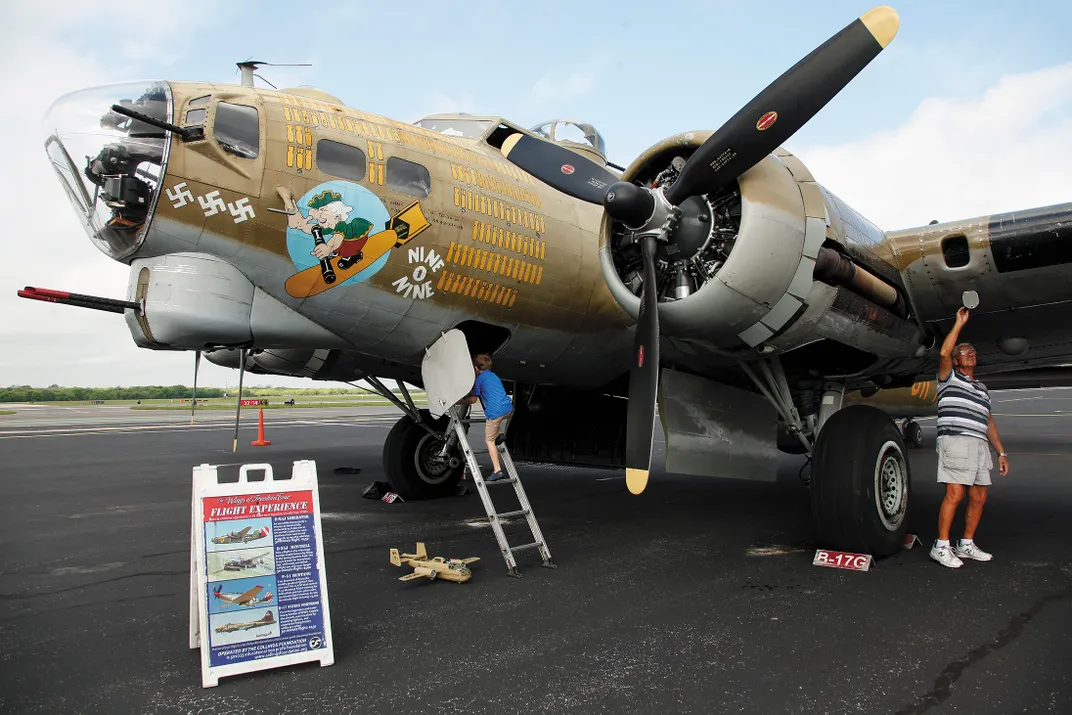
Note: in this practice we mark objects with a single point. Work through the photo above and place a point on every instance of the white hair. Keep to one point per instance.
(340, 209)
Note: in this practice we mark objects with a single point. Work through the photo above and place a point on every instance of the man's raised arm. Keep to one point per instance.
(945, 360)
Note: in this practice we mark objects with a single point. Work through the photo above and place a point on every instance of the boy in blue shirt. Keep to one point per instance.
(488, 388)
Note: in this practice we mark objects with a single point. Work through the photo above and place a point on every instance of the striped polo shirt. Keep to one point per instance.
(963, 406)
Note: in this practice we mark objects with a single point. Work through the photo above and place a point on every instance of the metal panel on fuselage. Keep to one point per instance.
(499, 248)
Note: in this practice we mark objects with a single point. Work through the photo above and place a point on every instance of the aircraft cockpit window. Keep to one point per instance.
(196, 116)
(407, 177)
(567, 130)
(199, 101)
(455, 127)
(237, 128)
(340, 160)
(544, 130)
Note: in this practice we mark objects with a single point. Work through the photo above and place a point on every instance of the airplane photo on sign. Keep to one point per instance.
(712, 277)
(231, 535)
(240, 563)
(241, 594)
(227, 628)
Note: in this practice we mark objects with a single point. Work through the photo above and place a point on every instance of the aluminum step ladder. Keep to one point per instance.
(458, 423)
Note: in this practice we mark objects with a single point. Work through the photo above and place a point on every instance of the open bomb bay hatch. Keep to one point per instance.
(110, 164)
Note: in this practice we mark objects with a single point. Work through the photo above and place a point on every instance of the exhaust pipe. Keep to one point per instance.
(835, 269)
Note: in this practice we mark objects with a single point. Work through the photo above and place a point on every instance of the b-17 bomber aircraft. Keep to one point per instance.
(241, 537)
(713, 276)
(267, 620)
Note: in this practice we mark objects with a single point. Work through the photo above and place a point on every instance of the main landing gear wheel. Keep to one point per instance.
(912, 433)
(860, 483)
(411, 460)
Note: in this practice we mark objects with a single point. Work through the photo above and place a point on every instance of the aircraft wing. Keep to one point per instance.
(1017, 262)
(418, 572)
(244, 531)
(250, 594)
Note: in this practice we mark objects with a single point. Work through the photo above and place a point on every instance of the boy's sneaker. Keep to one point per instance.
(971, 551)
(495, 476)
(944, 555)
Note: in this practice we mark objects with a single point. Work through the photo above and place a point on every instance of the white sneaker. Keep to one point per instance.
(944, 556)
(971, 551)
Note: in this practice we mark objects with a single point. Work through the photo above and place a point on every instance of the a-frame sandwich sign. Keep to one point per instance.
(258, 587)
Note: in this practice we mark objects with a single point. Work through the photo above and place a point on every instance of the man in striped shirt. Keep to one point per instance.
(965, 426)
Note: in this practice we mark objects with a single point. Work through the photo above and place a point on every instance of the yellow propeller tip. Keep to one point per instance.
(509, 144)
(882, 22)
(636, 480)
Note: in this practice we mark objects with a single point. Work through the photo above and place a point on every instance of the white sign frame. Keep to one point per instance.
(206, 484)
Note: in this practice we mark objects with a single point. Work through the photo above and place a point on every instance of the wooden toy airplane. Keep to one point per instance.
(438, 567)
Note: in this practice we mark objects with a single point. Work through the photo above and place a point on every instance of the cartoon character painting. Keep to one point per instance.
(346, 247)
(329, 213)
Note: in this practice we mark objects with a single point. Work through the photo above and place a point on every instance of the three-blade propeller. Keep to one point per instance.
(760, 127)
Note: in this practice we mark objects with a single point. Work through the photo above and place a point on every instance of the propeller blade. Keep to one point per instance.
(787, 103)
(643, 380)
(558, 167)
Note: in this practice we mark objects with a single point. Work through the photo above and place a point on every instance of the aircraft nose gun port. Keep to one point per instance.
(835, 269)
(79, 300)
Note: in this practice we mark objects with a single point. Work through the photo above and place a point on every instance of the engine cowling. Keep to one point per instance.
(734, 255)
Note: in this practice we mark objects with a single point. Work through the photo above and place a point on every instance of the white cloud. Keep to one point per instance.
(957, 158)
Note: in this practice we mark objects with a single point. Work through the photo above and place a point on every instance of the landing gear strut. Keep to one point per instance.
(860, 472)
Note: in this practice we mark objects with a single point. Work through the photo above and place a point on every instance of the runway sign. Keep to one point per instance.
(842, 560)
(258, 587)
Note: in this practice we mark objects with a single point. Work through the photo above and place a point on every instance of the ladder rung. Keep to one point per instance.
(526, 547)
(508, 514)
(509, 480)
(471, 420)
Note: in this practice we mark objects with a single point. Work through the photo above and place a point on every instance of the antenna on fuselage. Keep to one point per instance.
(249, 67)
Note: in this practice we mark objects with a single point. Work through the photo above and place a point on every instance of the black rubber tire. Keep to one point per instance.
(400, 456)
(913, 434)
(846, 470)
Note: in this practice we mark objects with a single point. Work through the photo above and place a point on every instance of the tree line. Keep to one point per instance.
(55, 393)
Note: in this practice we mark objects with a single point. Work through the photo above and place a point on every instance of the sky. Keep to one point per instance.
(967, 112)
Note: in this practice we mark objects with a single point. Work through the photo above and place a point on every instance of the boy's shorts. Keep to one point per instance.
(964, 460)
(493, 428)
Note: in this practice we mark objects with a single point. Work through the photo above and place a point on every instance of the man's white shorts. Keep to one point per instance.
(964, 460)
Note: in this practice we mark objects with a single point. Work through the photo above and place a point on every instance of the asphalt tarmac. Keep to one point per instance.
(697, 596)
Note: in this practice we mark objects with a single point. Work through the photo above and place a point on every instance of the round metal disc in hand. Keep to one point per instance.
(971, 299)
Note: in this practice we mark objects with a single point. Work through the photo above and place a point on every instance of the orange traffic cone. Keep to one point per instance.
(261, 441)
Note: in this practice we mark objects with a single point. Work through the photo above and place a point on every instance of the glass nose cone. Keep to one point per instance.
(111, 166)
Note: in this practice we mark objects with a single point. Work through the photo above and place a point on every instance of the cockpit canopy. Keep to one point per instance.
(464, 125)
(573, 134)
(568, 131)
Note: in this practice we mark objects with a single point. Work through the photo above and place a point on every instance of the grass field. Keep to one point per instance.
(7, 412)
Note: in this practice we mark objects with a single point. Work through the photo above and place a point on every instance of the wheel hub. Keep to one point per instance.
(891, 485)
(431, 467)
